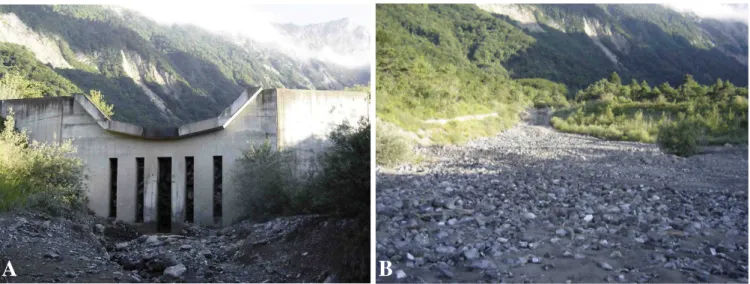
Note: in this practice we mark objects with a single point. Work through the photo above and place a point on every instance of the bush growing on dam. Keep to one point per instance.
(39, 176)
(339, 184)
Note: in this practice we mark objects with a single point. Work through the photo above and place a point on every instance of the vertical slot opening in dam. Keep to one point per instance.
(113, 187)
(164, 196)
(217, 189)
(189, 182)
(140, 185)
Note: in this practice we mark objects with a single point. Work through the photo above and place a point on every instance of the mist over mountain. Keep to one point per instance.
(157, 74)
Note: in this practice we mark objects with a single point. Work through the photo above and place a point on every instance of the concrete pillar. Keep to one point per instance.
(228, 197)
(126, 188)
(98, 190)
(203, 189)
(178, 191)
(150, 194)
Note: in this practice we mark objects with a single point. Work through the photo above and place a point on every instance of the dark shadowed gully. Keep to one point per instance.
(536, 205)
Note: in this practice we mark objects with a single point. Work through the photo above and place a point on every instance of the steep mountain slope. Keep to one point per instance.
(577, 44)
(157, 75)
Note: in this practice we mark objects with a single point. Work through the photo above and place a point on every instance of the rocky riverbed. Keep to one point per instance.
(89, 249)
(536, 205)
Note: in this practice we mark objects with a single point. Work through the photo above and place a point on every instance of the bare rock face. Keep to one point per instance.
(594, 203)
(45, 48)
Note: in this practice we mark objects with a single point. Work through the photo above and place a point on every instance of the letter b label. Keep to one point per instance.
(385, 268)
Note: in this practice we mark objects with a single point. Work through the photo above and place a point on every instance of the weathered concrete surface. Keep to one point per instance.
(300, 118)
(307, 116)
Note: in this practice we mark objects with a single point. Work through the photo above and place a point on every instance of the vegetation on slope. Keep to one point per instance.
(444, 61)
(22, 71)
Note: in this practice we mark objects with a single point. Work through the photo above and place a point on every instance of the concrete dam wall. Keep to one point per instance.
(164, 177)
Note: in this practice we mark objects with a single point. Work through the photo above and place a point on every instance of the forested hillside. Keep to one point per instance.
(154, 75)
(442, 61)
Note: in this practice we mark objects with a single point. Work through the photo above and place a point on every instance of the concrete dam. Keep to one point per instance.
(164, 177)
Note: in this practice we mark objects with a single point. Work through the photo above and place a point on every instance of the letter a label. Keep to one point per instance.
(9, 269)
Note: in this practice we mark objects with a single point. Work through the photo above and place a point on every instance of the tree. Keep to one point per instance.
(615, 79)
(98, 100)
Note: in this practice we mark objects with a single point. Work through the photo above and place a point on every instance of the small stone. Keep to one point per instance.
(471, 253)
(99, 229)
(445, 270)
(579, 256)
(529, 215)
(206, 253)
(175, 272)
(52, 255)
(122, 246)
(400, 274)
(409, 256)
(481, 264)
(152, 240)
(398, 204)
(445, 249)
(605, 266)
(561, 232)
(615, 254)
(186, 247)
(535, 260)
(588, 218)
(502, 240)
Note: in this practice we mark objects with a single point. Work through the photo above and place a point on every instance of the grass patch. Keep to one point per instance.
(458, 132)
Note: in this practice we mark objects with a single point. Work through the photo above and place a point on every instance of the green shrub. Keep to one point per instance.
(391, 148)
(682, 138)
(39, 176)
(342, 185)
(98, 100)
(267, 182)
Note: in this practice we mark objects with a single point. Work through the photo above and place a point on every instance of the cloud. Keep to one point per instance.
(732, 12)
(239, 19)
